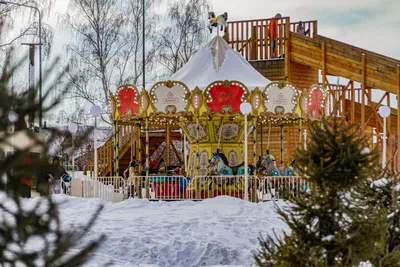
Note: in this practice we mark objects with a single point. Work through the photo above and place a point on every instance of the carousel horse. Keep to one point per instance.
(219, 164)
(268, 166)
(215, 21)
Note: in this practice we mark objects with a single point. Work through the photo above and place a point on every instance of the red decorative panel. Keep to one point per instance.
(224, 97)
(127, 101)
(315, 103)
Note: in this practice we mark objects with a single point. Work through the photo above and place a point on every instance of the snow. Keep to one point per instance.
(218, 62)
(327, 238)
(222, 231)
(365, 151)
(380, 182)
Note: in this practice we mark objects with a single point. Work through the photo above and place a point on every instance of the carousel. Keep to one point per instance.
(202, 103)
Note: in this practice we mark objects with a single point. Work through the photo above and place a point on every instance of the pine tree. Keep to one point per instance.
(331, 225)
(384, 193)
(31, 232)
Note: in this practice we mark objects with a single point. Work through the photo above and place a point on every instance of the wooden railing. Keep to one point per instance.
(310, 26)
(105, 153)
(251, 38)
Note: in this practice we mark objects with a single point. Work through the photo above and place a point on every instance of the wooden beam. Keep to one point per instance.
(363, 87)
(398, 117)
(287, 49)
(375, 108)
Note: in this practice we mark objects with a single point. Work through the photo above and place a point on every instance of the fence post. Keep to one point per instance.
(315, 28)
(254, 42)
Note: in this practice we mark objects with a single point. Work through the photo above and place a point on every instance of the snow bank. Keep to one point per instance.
(217, 232)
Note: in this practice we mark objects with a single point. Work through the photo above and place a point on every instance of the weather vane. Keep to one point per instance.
(215, 21)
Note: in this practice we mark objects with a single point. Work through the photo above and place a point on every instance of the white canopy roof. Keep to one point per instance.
(215, 62)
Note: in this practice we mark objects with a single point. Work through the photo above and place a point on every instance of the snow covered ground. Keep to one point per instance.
(216, 232)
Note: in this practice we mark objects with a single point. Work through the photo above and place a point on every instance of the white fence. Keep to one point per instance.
(201, 187)
(159, 187)
(103, 187)
(281, 187)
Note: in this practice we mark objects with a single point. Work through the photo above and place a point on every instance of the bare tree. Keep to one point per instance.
(10, 13)
(133, 57)
(184, 34)
(108, 46)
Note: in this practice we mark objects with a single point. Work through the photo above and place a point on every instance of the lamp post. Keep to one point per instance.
(245, 109)
(305, 139)
(13, 118)
(40, 52)
(95, 111)
(72, 128)
(384, 112)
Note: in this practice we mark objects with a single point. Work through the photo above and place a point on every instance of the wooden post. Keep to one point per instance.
(398, 118)
(287, 49)
(353, 99)
(116, 148)
(323, 55)
(315, 26)
(254, 42)
(363, 87)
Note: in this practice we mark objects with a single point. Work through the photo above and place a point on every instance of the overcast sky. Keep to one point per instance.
(370, 24)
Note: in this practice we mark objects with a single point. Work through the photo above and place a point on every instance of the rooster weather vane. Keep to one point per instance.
(215, 21)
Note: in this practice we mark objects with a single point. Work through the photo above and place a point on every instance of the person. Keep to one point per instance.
(272, 32)
(26, 178)
(130, 170)
(301, 30)
(42, 183)
(56, 171)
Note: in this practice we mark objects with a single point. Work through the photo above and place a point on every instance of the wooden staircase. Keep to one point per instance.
(340, 59)
(128, 149)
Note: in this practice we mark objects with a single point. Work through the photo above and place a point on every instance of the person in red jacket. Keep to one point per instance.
(272, 32)
(26, 178)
